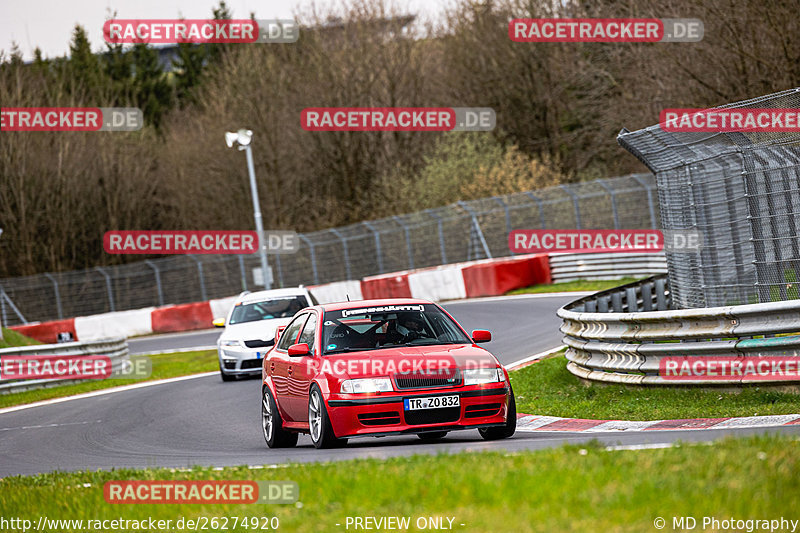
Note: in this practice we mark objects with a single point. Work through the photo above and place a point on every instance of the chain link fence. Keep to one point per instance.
(741, 192)
(459, 232)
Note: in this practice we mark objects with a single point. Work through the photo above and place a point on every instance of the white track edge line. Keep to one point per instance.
(103, 392)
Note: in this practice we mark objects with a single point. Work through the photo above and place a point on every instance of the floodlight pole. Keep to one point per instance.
(262, 248)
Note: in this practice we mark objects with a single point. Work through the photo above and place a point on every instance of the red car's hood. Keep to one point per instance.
(408, 360)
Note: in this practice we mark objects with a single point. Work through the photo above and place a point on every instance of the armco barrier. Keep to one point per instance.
(570, 267)
(621, 335)
(115, 349)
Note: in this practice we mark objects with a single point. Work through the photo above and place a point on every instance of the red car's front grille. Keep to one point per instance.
(427, 381)
(379, 419)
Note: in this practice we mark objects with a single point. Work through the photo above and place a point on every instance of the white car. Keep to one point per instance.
(250, 328)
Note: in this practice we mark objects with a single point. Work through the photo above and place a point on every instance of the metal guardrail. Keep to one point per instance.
(116, 349)
(621, 335)
(569, 267)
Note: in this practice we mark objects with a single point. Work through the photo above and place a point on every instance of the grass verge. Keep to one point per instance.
(574, 286)
(572, 488)
(12, 339)
(168, 365)
(547, 388)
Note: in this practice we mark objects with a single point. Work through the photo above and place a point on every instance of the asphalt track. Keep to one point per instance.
(203, 421)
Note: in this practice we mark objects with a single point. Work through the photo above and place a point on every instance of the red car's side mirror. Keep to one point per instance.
(278, 333)
(481, 335)
(297, 350)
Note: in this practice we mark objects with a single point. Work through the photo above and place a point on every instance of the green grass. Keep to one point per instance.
(570, 286)
(547, 388)
(573, 488)
(12, 339)
(167, 365)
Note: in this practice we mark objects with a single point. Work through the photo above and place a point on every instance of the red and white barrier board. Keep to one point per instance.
(490, 277)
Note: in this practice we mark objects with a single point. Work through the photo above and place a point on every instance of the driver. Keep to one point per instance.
(412, 324)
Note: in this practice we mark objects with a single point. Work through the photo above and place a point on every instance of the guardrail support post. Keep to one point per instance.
(109, 289)
(158, 281)
(56, 292)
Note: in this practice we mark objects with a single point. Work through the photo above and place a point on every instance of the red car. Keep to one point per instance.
(381, 367)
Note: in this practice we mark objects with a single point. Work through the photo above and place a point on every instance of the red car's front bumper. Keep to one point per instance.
(355, 415)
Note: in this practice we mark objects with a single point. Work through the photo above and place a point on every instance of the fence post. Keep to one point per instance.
(408, 241)
(109, 289)
(203, 295)
(576, 204)
(313, 256)
(540, 203)
(3, 316)
(280, 269)
(434, 214)
(508, 219)
(56, 292)
(344, 249)
(613, 195)
(3, 299)
(476, 227)
(158, 281)
(649, 198)
(242, 272)
(378, 254)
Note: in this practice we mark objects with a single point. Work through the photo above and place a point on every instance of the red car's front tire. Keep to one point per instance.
(319, 424)
(510, 427)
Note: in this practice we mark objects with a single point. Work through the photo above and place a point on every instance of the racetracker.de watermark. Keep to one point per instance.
(197, 31)
(527, 241)
(730, 119)
(55, 367)
(71, 119)
(398, 119)
(198, 242)
(588, 30)
(199, 492)
(726, 368)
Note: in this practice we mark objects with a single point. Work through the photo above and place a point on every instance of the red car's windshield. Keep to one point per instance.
(375, 328)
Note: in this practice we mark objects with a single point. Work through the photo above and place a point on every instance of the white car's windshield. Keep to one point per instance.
(274, 308)
(389, 326)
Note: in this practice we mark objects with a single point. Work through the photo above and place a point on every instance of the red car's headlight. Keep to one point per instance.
(356, 386)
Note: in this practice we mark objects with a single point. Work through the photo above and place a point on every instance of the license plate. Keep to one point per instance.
(432, 402)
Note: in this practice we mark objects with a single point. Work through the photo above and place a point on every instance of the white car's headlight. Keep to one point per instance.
(480, 376)
(356, 386)
(230, 342)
